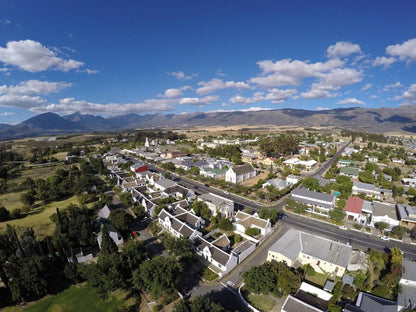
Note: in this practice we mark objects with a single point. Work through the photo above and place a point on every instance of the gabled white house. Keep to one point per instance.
(319, 203)
(215, 202)
(239, 174)
(244, 221)
(298, 248)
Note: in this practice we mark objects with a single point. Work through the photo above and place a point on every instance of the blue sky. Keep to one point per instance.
(117, 57)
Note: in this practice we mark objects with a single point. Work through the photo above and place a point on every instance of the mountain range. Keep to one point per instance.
(380, 120)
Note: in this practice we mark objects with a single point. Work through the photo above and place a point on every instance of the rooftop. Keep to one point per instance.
(293, 242)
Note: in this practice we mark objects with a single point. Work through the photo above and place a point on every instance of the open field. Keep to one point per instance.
(39, 218)
(11, 201)
(38, 172)
(74, 299)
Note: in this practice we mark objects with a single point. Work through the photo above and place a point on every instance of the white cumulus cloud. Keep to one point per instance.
(33, 57)
(343, 49)
(351, 101)
(181, 75)
(198, 101)
(405, 51)
(409, 95)
(218, 84)
(383, 61)
(392, 86)
(70, 105)
(366, 86)
(34, 87)
(288, 72)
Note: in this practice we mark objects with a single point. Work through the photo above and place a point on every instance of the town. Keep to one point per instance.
(299, 220)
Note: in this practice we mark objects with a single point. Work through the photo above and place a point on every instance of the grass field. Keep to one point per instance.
(39, 172)
(39, 218)
(11, 201)
(74, 299)
(261, 302)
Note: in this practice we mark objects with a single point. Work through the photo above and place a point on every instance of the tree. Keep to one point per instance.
(201, 209)
(396, 256)
(399, 231)
(381, 226)
(121, 220)
(311, 183)
(4, 214)
(158, 275)
(252, 231)
(225, 224)
(126, 199)
(180, 247)
(27, 198)
(108, 246)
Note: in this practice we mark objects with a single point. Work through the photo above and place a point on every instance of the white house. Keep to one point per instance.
(306, 165)
(277, 184)
(298, 249)
(386, 213)
(319, 203)
(293, 179)
(365, 188)
(358, 209)
(177, 227)
(215, 202)
(240, 173)
(221, 259)
(244, 221)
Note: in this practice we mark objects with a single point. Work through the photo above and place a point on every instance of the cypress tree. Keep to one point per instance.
(108, 246)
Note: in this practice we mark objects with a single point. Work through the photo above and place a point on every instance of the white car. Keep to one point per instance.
(384, 238)
(342, 227)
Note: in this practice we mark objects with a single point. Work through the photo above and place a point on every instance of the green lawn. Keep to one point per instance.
(261, 302)
(74, 299)
(11, 201)
(39, 218)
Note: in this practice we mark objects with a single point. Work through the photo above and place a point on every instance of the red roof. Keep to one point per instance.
(354, 204)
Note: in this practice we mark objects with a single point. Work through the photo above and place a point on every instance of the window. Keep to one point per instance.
(318, 263)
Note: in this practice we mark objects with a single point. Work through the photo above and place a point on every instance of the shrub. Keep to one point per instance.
(252, 231)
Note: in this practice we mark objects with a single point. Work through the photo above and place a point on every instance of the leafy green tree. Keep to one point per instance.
(121, 220)
(225, 225)
(252, 231)
(310, 183)
(108, 246)
(158, 275)
(399, 230)
(259, 279)
(381, 226)
(179, 247)
(27, 198)
(4, 214)
(201, 209)
(126, 199)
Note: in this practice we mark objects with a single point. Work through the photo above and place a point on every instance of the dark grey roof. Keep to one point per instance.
(246, 168)
(313, 198)
(214, 199)
(407, 296)
(293, 304)
(409, 270)
(406, 212)
(243, 246)
(348, 280)
(371, 303)
(364, 186)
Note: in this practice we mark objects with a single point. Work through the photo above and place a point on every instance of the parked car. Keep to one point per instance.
(342, 227)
